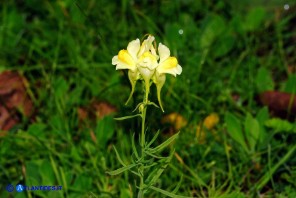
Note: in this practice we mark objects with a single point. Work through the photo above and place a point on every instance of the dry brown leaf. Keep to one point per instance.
(280, 103)
(14, 99)
(103, 109)
(96, 110)
(292, 69)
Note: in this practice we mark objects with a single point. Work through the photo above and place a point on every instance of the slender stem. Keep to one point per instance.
(141, 169)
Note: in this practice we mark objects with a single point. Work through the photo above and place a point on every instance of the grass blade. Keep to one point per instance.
(169, 194)
(269, 174)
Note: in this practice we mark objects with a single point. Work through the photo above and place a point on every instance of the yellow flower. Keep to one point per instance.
(142, 61)
(167, 64)
(208, 123)
(127, 59)
(147, 61)
(211, 121)
(177, 120)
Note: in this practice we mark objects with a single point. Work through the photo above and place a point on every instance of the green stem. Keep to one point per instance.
(141, 169)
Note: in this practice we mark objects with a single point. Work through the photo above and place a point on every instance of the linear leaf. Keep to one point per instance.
(153, 155)
(153, 104)
(153, 139)
(120, 170)
(156, 174)
(118, 157)
(134, 147)
(127, 117)
(164, 144)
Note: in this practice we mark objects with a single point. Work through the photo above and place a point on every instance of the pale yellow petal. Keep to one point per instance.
(133, 48)
(146, 45)
(170, 66)
(163, 51)
(115, 60)
(146, 73)
(126, 61)
(148, 60)
(179, 70)
(122, 65)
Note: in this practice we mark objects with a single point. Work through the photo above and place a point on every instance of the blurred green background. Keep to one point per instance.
(231, 52)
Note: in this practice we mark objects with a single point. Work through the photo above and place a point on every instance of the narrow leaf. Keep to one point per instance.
(156, 174)
(120, 170)
(137, 107)
(118, 157)
(153, 155)
(153, 104)
(134, 147)
(127, 117)
(164, 144)
(153, 139)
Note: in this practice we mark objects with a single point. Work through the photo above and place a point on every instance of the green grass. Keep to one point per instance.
(227, 49)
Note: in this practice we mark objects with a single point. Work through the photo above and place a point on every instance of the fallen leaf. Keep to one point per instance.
(95, 110)
(292, 69)
(89, 114)
(14, 99)
(103, 109)
(280, 103)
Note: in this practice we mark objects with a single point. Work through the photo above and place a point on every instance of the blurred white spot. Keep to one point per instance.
(181, 31)
(286, 6)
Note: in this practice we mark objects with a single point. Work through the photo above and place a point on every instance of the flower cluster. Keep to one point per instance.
(143, 62)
